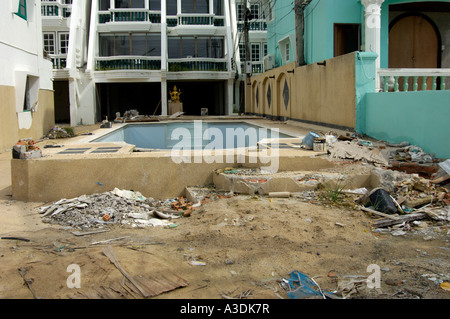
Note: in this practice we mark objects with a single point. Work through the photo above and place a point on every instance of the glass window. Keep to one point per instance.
(63, 43)
(240, 12)
(218, 7)
(287, 52)
(255, 52)
(122, 44)
(171, 7)
(130, 3)
(254, 12)
(174, 47)
(22, 10)
(187, 47)
(195, 6)
(49, 43)
(242, 51)
(155, 5)
(154, 45)
(203, 47)
(106, 45)
(104, 5)
(139, 44)
(217, 48)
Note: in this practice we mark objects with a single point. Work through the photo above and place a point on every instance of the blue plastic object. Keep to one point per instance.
(308, 140)
(302, 286)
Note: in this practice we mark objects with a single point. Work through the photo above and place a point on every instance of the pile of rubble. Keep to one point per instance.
(122, 207)
(126, 208)
(59, 132)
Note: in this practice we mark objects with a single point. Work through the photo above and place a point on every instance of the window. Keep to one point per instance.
(49, 43)
(22, 10)
(242, 51)
(155, 5)
(129, 3)
(264, 49)
(136, 44)
(171, 7)
(240, 12)
(256, 52)
(104, 5)
(267, 9)
(254, 12)
(200, 47)
(63, 43)
(195, 6)
(285, 49)
(287, 52)
(31, 93)
(218, 7)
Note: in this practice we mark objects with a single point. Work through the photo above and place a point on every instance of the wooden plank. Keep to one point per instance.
(401, 219)
(368, 210)
(109, 252)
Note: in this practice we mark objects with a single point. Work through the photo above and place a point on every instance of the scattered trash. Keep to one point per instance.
(308, 140)
(60, 132)
(16, 238)
(382, 201)
(301, 286)
(197, 263)
(445, 286)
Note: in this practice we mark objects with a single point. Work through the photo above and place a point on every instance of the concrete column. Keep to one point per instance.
(372, 27)
(164, 107)
(229, 97)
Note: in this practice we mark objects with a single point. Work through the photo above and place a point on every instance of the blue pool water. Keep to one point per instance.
(190, 135)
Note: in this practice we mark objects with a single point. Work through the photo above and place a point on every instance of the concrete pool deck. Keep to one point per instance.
(80, 167)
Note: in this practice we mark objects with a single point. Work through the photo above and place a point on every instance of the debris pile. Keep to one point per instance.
(26, 149)
(122, 207)
(125, 208)
(60, 132)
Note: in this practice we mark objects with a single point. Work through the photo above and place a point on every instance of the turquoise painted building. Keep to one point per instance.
(402, 64)
(335, 27)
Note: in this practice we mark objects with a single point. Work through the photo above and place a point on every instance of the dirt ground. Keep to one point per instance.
(247, 245)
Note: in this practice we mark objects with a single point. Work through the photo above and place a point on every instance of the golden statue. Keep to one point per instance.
(175, 95)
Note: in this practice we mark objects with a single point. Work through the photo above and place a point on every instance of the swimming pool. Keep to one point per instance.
(191, 135)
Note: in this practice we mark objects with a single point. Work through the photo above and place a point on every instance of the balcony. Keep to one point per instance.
(198, 64)
(129, 15)
(55, 9)
(257, 67)
(127, 63)
(200, 19)
(254, 25)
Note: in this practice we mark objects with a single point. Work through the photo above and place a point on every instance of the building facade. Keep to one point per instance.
(26, 88)
(111, 56)
(379, 67)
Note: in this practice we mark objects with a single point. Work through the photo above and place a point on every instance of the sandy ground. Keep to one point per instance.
(247, 244)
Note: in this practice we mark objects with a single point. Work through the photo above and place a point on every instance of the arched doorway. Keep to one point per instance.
(414, 42)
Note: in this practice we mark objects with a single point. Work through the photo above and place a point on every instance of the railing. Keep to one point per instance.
(396, 80)
(127, 63)
(129, 15)
(257, 67)
(55, 9)
(254, 25)
(58, 61)
(144, 15)
(198, 64)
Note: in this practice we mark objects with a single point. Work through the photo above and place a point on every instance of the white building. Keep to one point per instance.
(26, 89)
(112, 56)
